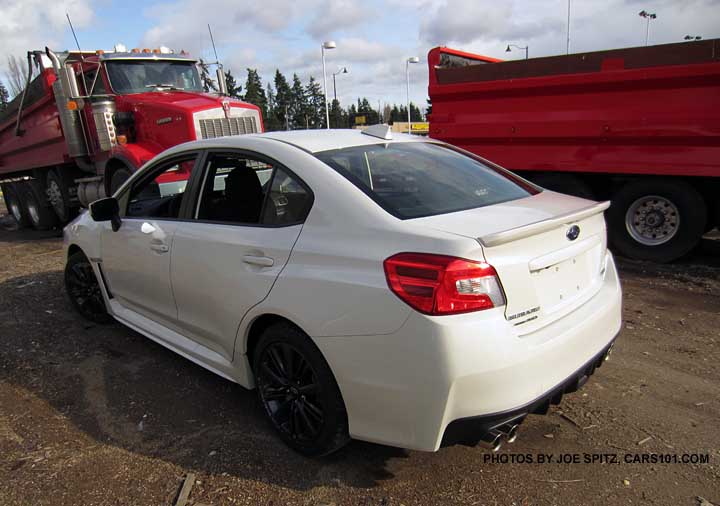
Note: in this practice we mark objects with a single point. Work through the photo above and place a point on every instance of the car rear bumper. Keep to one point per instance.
(405, 389)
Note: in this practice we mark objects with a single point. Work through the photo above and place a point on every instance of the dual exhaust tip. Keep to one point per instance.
(495, 438)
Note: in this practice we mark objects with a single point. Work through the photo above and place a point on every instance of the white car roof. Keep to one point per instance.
(324, 139)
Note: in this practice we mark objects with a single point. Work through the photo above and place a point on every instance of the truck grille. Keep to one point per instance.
(225, 127)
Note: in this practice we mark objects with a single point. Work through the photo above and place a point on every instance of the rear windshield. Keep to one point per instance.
(415, 179)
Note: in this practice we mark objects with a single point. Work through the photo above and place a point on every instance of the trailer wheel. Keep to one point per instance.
(657, 220)
(118, 179)
(40, 215)
(14, 205)
(58, 192)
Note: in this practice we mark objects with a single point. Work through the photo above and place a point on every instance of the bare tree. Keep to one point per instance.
(16, 75)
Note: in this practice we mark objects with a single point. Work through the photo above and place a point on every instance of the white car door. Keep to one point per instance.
(248, 215)
(136, 257)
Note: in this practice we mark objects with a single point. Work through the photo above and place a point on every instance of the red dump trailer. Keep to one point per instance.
(87, 120)
(637, 126)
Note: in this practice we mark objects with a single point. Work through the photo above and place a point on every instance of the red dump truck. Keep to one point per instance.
(87, 120)
(637, 126)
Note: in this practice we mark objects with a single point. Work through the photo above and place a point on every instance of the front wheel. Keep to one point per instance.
(298, 392)
(657, 220)
(84, 290)
(14, 205)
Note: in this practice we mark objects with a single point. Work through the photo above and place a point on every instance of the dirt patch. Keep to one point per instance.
(96, 415)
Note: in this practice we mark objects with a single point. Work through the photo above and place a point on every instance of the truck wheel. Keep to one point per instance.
(563, 183)
(58, 192)
(40, 215)
(15, 205)
(118, 179)
(658, 220)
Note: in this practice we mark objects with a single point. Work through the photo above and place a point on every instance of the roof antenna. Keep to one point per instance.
(82, 58)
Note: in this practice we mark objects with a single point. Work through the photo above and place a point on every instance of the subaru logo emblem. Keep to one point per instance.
(572, 233)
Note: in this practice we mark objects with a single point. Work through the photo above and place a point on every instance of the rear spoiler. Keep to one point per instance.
(498, 238)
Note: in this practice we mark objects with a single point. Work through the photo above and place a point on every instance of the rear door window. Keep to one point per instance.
(415, 179)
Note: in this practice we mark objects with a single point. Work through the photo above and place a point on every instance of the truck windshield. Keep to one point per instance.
(415, 179)
(137, 76)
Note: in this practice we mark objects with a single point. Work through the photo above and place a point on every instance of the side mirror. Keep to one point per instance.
(106, 209)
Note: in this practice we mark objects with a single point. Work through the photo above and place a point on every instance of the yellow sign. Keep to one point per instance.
(359, 120)
(421, 127)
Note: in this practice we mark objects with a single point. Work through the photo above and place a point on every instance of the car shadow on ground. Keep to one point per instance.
(125, 390)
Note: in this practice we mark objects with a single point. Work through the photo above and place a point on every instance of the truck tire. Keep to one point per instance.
(58, 193)
(15, 205)
(36, 208)
(656, 220)
(118, 179)
(569, 184)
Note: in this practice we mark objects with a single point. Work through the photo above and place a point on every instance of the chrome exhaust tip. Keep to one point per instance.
(492, 440)
(509, 431)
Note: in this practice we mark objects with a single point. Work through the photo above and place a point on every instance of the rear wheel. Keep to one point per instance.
(39, 213)
(83, 289)
(658, 220)
(15, 205)
(58, 192)
(298, 391)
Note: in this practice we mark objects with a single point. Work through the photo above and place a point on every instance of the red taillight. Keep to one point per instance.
(441, 285)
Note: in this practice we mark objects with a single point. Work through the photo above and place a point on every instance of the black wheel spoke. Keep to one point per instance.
(310, 389)
(312, 426)
(273, 376)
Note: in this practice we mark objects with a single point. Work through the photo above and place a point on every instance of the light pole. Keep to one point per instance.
(412, 59)
(507, 50)
(648, 16)
(343, 70)
(329, 44)
(567, 47)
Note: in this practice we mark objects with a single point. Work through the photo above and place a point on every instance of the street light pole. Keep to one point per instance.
(343, 70)
(326, 45)
(526, 48)
(567, 47)
(412, 59)
(648, 16)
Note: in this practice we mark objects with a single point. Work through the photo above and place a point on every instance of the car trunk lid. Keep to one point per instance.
(548, 251)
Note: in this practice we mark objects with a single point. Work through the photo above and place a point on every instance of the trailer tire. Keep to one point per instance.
(39, 213)
(15, 205)
(58, 192)
(118, 178)
(656, 220)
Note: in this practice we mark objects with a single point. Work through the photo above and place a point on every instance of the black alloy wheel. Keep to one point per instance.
(290, 392)
(298, 391)
(84, 290)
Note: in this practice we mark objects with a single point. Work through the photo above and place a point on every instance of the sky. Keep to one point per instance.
(374, 38)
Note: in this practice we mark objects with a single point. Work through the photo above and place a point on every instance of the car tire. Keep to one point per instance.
(83, 289)
(58, 192)
(118, 179)
(40, 215)
(15, 205)
(656, 220)
(298, 391)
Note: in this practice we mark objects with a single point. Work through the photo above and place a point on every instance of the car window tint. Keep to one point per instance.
(415, 179)
(160, 195)
(288, 201)
(234, 189)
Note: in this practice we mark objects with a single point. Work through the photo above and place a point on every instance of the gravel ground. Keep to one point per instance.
(99, 415)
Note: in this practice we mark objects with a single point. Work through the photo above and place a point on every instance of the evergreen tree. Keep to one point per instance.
(316, 105)
(415, 114)
(4, 97)
(272, 122)
(234, 89)
(283, 100)
(207, 82)
(299, 106)
(338, 117)
(255, 94)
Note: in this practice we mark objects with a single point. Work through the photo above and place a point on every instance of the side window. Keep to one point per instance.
(99, 88)
(160, 194)
(288, 202)
(242, 189)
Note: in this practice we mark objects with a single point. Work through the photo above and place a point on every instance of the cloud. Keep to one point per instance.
(34, 24)
(331, 16)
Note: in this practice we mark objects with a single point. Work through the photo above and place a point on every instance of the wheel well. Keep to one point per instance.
(74, 248)
(258, 327)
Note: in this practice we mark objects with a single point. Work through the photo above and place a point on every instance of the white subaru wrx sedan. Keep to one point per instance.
(395, 290)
